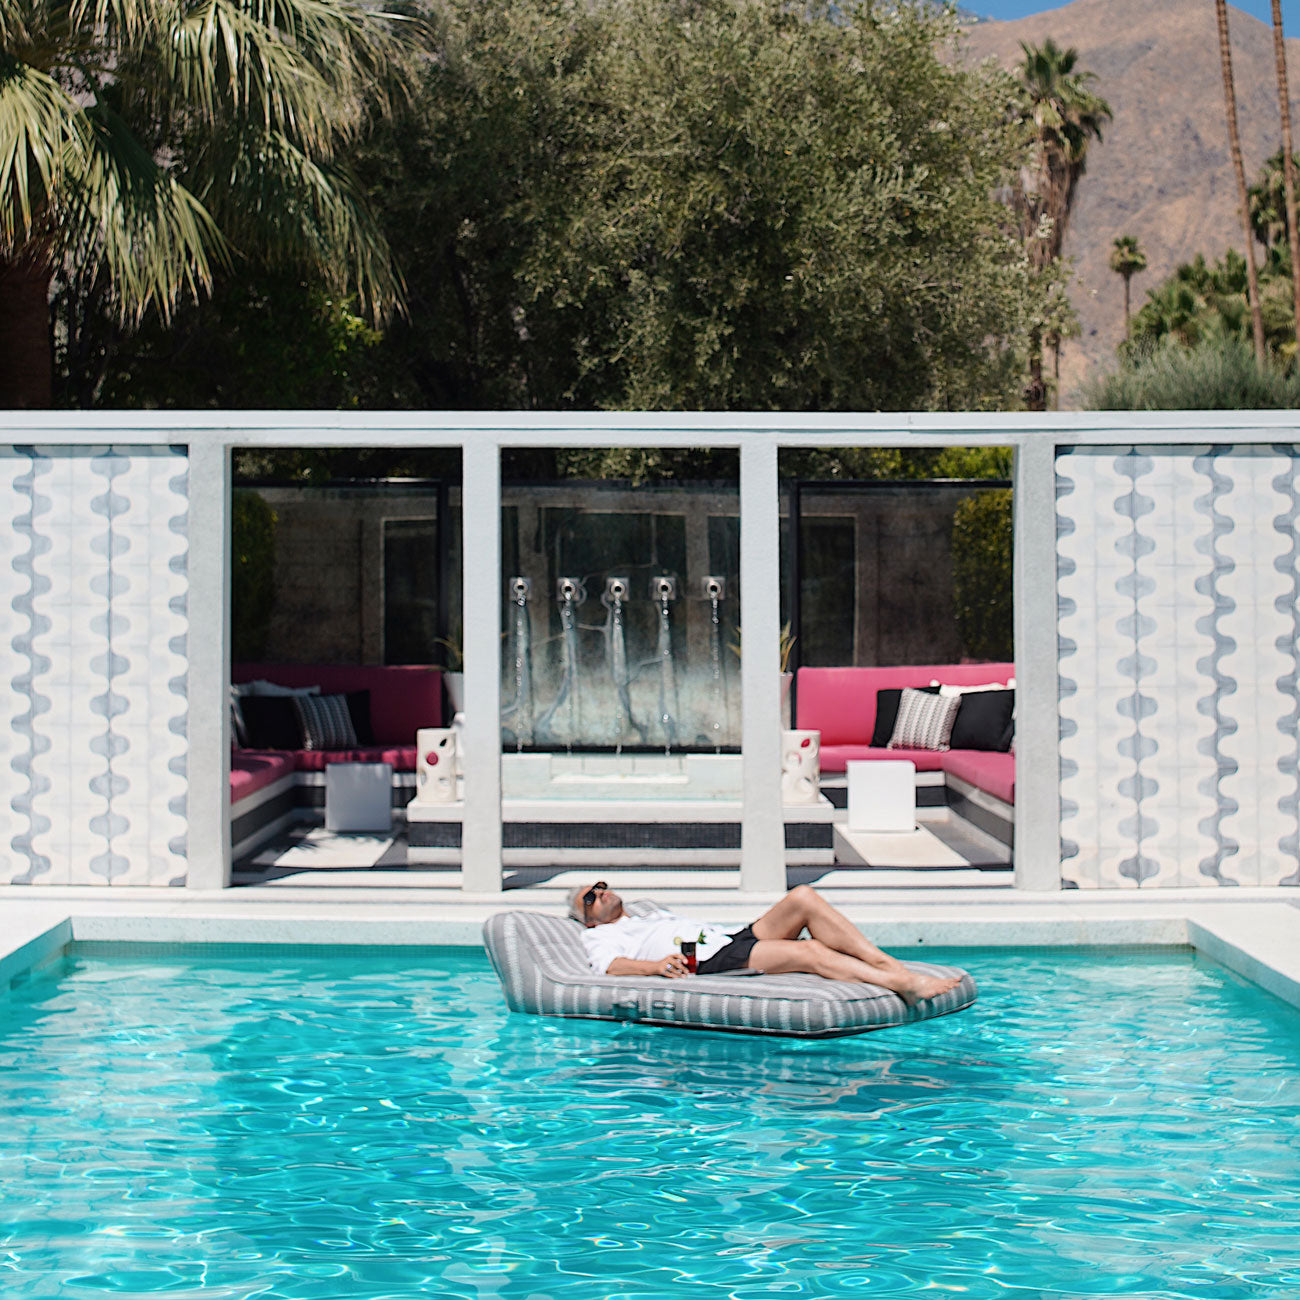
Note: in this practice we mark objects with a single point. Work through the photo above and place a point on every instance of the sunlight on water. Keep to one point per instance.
(378, 1127)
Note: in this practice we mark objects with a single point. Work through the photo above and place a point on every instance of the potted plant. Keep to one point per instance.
(787, 676)
(453, 674)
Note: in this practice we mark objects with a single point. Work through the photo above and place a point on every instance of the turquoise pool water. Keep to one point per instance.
(377, 1127)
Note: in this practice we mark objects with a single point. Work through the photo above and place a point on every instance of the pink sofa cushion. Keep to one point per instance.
(403, 697)
(402, 757)
(252, 770)
(841, 702)
(993, 773)
(834, 757)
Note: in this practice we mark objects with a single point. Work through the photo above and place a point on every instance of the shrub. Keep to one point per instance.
(1217, 374)
(252, 574)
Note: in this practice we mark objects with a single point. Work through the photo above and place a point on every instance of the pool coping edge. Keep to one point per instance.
(1260, 941)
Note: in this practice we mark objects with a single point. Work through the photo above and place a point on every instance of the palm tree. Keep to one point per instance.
(1288, 161)
(1066, 116)
(1243, 201)
(1266, 202)
(1127, 259)
(141, 141)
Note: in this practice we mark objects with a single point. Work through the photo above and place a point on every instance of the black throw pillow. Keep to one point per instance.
(271, 722)
(359, 708)
(983, 720)
(887, 713)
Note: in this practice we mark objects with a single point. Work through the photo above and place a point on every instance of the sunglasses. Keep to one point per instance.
(590, 896)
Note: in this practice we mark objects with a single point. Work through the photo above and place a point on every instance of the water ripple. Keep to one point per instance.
(378, 1127)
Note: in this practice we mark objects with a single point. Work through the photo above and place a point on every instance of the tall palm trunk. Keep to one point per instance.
(1036, 389)
(1127, 278)
(26, 369)
(1243, 203)
(1288, 163)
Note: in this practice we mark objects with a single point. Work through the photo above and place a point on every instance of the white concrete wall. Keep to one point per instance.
(155, 810)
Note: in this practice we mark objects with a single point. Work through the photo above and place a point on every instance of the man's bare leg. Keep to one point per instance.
(784, 956)
(803, 907)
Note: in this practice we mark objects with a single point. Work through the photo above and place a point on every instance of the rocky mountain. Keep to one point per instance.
(1162, 171)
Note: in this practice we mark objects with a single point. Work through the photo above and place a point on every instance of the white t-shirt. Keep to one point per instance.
(648, 938)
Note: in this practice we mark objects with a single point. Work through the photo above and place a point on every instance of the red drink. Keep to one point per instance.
(688, 951)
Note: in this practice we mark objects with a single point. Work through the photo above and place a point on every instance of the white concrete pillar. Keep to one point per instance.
(1038, 759)
(762, 836)
(208, 606)
(481, 763)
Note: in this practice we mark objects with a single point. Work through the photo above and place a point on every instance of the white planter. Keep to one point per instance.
(455, 690)
(435, 765)
(801, 767)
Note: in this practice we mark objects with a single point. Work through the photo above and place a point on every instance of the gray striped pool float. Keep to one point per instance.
(543, 970)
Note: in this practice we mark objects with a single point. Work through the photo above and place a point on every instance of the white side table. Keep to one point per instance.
(358, 796)
(882, 795)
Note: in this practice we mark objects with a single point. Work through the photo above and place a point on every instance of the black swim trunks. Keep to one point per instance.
(733, 956)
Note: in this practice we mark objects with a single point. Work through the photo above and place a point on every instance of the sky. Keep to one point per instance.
(1004, 9)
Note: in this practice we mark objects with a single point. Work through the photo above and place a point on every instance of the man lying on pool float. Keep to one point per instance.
(619, 944)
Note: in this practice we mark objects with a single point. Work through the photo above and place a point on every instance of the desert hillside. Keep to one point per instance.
(1162, 172)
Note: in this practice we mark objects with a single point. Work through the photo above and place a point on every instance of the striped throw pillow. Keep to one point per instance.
(326, 722)
(924, 721)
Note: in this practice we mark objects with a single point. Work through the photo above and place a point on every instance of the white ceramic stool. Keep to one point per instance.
(882, 795)
(358, 796)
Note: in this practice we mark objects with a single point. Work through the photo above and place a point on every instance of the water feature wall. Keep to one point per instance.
(620, 673)
(620, 619)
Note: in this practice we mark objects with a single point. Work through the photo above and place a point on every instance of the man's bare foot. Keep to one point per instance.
(928, 986)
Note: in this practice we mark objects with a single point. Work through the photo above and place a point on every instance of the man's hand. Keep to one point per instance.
(671, 967)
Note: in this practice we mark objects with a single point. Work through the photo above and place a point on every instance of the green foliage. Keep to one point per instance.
(1216, 373)
(264, 342)
(1203, 302)
(646, 464)
(725, 205)
(981, 558)
(1127, 257)
(143, 142)
(1057, 101)
(1266, 200)
(876, 463)
(252, 574)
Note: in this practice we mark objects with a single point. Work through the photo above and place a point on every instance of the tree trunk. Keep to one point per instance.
(1036, 390)
(26, 365)
(1243, 203)
(1127, 278)
(1288, 164)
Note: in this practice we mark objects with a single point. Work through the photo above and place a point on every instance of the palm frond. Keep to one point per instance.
(40, 125)
(297, 67)
(16, 25)
(122, 24)
(298, 209)
(120, 210)
(222, 57)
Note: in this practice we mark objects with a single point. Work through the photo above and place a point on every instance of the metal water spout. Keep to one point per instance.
(617, 591)
(520, 709)
(570, 593)
(714, 589)
(663, 589)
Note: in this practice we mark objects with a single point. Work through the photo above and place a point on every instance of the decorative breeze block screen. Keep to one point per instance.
(93, 705)
(1178, 587)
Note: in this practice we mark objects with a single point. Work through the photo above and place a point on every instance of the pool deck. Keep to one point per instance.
(1256, 933)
